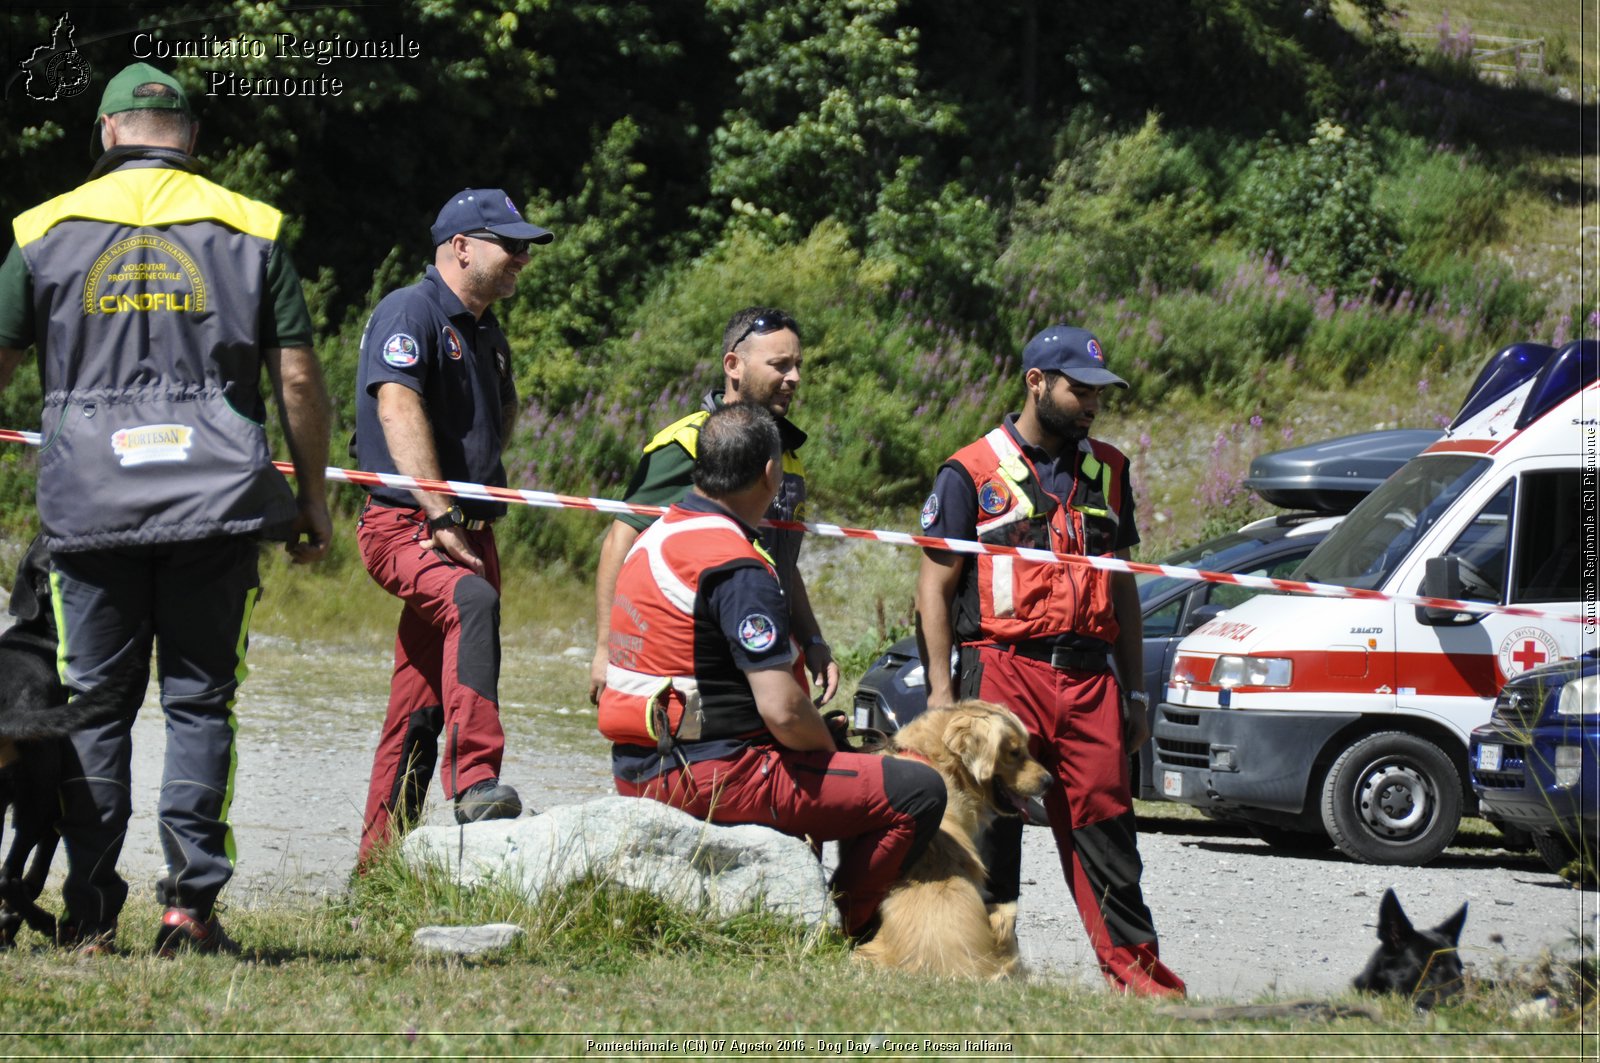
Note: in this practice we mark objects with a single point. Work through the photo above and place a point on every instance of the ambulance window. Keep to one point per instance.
(1548, 547)
(1380, 532)
(1481, 548)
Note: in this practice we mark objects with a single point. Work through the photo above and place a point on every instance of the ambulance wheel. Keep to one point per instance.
(1392, 798)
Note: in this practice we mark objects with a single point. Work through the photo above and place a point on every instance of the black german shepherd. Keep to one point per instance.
(1421, 964)
(34, 715)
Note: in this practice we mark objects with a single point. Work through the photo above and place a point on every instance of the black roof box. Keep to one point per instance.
(1332, 476)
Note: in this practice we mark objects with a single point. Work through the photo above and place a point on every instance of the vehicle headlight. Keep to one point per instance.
(1234, 671)
(1581, 697)
(916, 677)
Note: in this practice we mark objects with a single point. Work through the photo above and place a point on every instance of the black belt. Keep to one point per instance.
(1063, 658)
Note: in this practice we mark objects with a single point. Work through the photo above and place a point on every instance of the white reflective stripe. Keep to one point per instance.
(1002, 444)
(677, 592)
(635, 684)
(1000, 575)
(643, 685)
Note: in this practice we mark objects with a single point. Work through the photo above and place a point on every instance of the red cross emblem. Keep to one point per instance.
(1529, 655)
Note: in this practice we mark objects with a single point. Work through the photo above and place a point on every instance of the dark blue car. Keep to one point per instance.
(1536, 763)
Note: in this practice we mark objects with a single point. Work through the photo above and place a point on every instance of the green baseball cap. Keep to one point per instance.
(119, 91)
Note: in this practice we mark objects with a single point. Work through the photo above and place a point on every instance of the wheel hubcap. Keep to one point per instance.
(1394, 800)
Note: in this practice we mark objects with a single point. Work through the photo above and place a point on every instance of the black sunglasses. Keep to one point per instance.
(511, 245)
(765, 324)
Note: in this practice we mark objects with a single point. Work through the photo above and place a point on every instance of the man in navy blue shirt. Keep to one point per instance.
(436, 400)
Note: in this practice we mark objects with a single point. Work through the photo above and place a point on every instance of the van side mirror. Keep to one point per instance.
(1442, 579)
(1202, 614)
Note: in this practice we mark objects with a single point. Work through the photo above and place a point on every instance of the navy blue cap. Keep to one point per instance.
(477, 209)
(1073, 351)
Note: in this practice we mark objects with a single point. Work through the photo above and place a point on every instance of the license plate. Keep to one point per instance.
(863, 717)
(1489, 757)
(1171, 784)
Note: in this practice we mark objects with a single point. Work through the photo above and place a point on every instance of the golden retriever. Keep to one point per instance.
(934, 920)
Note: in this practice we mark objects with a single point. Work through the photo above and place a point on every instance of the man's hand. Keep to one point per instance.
(824, 671)
(597, 675)
(311, 533)
(455, 545)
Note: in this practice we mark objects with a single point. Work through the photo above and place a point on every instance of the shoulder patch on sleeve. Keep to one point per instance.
(930, 511)
(757, 632)
(400, 351)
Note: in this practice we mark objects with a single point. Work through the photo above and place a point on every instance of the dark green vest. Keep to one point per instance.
(148, 285)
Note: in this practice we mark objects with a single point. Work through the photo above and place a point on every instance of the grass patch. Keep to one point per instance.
(596, 963)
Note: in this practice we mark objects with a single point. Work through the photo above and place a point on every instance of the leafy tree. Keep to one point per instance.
(828, 104)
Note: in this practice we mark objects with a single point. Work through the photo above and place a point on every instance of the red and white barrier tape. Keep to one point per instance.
(550, 500)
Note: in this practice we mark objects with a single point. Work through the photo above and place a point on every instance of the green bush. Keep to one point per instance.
(1314, 207)
(1120, 212)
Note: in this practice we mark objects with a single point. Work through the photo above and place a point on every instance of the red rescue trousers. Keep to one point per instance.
(1074, 720)
(882, 811)
(446, 670)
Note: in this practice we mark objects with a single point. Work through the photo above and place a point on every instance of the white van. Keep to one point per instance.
(1315, 719)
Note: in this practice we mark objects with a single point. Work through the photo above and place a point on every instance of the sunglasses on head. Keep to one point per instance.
(511, 245)
(765, 324)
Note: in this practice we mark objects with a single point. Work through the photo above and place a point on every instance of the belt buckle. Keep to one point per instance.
(1057, 658)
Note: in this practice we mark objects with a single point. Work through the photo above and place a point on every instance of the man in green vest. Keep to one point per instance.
(156, 298)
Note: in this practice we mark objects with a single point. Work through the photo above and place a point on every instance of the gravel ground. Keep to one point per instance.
(1237, 920)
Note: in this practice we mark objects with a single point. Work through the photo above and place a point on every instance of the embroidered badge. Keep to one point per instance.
(1093, 347)
(930, 511)
(993, 498)
(452, 344)
(757, 632)
(400, 351)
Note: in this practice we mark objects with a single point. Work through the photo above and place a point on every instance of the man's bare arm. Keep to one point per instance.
(788, 712)
(410, 439)
(820, 664)
(10, 358)
(613, 550)
(303, 410)
(937, 581)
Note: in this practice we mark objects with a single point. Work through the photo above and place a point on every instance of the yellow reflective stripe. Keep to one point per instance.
(1095, 469)
(59, 609)
(685, 432)
(1013, 469)
(150, 196)
(230, 845)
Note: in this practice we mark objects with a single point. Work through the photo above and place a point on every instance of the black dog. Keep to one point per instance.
(1422, 964)
(34, 715)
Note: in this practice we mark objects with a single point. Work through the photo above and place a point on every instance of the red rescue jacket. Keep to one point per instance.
(671, 674)
(1006, 599)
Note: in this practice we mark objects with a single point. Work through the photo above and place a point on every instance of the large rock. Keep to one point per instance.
(640, 844)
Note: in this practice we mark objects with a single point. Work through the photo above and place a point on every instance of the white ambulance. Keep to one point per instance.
(1318, 720)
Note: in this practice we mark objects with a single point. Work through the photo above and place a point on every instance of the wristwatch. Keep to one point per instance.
(1142, 697)
(450, 518)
